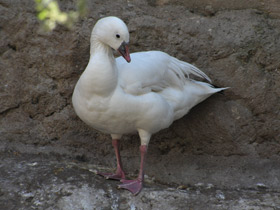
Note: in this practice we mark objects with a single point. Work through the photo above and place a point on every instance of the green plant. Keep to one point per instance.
(50, 14)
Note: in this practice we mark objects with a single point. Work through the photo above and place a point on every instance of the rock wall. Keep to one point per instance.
(229, 140)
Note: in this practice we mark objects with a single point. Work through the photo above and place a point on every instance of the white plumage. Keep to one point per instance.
(144, 96)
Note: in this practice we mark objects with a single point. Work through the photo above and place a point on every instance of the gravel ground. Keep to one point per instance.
(40, 181)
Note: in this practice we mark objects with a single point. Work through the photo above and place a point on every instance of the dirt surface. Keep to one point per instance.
(73, 184)
(225, 154)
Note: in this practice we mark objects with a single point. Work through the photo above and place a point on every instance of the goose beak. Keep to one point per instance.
(124, 51)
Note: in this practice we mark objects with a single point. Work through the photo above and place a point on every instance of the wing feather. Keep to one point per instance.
(154, 71)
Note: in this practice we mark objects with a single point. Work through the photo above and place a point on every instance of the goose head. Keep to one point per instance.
(113, 32)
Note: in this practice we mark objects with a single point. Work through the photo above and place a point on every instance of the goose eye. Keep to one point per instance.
(118, 36)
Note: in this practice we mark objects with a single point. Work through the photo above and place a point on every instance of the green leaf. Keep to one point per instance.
(43, 14)
(50, 14)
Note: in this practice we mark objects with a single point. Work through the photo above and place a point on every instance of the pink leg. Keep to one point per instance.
(119, 172)
(135, 186)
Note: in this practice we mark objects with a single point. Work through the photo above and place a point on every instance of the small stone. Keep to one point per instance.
(33, 164)
(220, 195)
(261, 186)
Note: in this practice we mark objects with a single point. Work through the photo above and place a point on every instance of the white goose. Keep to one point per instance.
(144, 95)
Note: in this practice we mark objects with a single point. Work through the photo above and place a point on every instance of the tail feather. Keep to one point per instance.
(215, 88)
(221, 89)
(189, 69)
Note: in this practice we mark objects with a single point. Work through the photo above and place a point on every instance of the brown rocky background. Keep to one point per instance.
(223, 155)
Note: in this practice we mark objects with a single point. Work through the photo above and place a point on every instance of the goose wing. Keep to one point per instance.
(154, 71)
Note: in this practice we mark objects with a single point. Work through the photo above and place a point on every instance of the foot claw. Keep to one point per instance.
(112, 176)
(134, 186)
